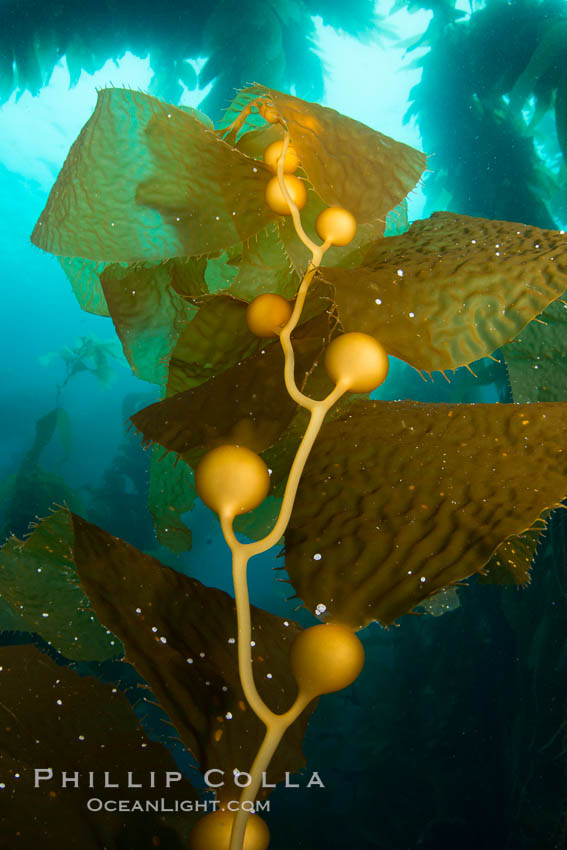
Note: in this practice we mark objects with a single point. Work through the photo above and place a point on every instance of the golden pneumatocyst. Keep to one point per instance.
(212, 832)
(358, 360)
(336, 225)
(326, 658)
(270, 114)
(232, 480)
(267, 314)
(296, 190)
(273, 153)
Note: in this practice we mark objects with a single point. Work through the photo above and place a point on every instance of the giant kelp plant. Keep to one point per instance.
(247, 273)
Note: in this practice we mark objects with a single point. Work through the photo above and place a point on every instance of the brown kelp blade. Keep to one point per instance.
(215, 339)
(247, 404)
(400, 499)
(348, 163)
(452, 289)
(181, 637)
(54, 720)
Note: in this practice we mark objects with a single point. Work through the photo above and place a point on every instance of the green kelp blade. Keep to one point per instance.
(171, 494)
(452, 289)
(264, 266)
(400, 499)
(181, 637)
(39, 582)
(214, 340)
(348, 163)
(149, 308)
(53, 719)
(512, 561)
(537, 360)
(84, 277)
(146, 180)
(10, 620)
(247, 404)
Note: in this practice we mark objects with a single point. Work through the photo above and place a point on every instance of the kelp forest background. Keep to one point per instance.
(457, 735)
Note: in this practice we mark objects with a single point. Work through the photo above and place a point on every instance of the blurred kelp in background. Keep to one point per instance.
(242, 42)
(495, 124)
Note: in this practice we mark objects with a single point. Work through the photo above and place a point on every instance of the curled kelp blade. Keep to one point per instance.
(452, 289)
(537, 359)
(348, 163)
(146, 180)
(181, 637)
(38, 581)
(400, 499)
(58, 722)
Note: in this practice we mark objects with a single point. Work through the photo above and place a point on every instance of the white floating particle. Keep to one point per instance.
(317, 556)
(252, 643)
(377, 300)
(154, 628)
(217, 217)
(189, 661)
(201, 655)
(320, 609)
(285, 622)
(423, 578)
(163, 639)
(81, 737)
(59, 702)
(228, 715)
(44, 614)
(411, 315)
(268, 675)
(138, 610)
(400, 272)
(231, 640)
(2, 785)
(225, 689)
